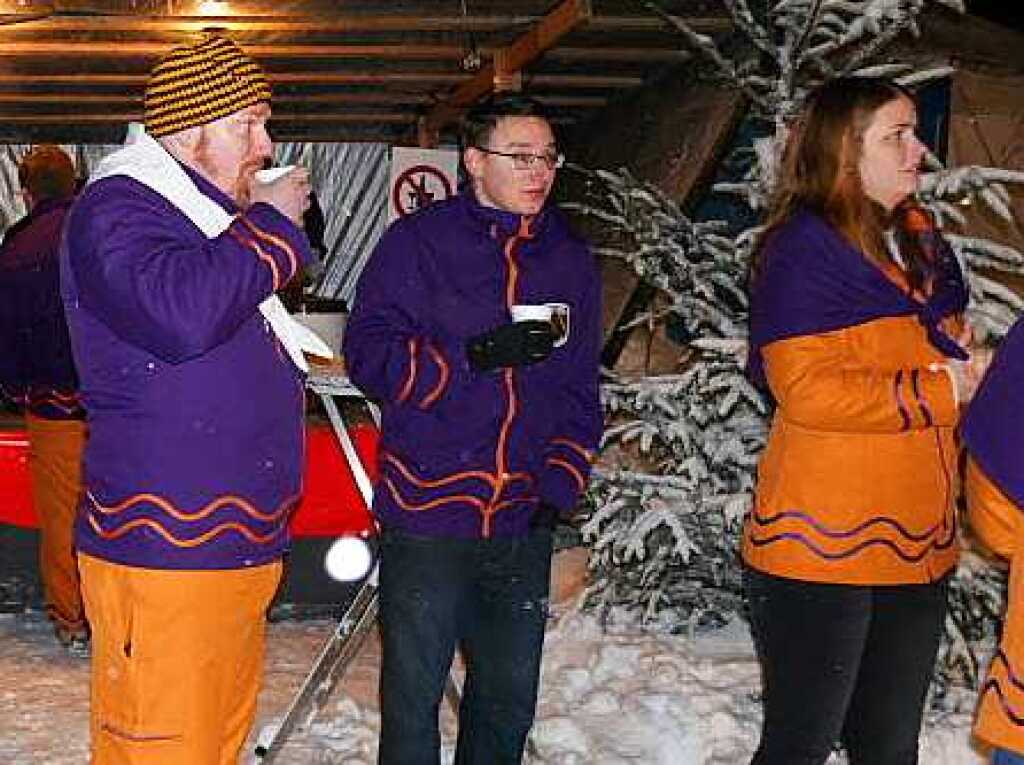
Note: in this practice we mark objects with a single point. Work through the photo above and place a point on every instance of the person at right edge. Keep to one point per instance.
(856, 330)
(487, 434)
(993, 434)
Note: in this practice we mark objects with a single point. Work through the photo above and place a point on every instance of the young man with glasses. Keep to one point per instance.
(489, 424)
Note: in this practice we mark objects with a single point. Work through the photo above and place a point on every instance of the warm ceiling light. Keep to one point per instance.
(214, 8)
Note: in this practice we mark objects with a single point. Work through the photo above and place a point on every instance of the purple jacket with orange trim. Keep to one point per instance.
(195, 448)
(36, 368)
(464, 453)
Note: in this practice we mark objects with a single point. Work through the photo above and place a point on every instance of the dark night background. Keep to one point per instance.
(1010, 13)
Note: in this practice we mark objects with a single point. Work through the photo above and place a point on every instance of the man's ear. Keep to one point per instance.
(183, 145)
(471, 158)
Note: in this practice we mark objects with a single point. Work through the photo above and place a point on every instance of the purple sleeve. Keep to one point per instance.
(389, 354)
(570, 451)
(155, 280)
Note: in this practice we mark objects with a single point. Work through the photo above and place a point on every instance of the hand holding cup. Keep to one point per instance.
(285, 188)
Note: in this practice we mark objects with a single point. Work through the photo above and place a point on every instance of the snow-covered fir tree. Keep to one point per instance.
(677, 473)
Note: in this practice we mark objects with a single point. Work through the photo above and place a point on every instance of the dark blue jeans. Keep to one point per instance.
(490, 598)
(843, 663)
(1004, 757)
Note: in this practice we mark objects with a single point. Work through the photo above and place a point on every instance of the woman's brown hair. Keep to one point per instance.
(820, 165)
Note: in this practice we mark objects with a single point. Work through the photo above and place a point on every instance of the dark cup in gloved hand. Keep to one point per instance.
(511, 345)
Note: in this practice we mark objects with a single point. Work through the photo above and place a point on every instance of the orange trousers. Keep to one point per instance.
(177, 660)
(55, 466)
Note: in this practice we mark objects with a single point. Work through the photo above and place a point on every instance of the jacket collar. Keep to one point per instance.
(502, 223)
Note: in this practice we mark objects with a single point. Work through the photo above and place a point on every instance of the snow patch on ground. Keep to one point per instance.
(607, 697)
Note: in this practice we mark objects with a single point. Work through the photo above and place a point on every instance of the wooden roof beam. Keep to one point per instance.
(376, 96)
(595, 81)
(505, 60)
(525, 49)
(399, 22)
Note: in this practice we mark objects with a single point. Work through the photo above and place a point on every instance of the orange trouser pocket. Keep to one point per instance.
(177, 661)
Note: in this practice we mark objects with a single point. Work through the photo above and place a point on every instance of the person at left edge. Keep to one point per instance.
(195, 409)
(38, 373)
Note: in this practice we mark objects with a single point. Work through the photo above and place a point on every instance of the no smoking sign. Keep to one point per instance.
(417, 187)
(420, 177)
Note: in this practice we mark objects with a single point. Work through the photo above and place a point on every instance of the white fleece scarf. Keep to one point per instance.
(143, 159)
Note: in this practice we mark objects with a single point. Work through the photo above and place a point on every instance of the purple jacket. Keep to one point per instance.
(195, 448)
(463, 453)
(991, 427)
(36, 368)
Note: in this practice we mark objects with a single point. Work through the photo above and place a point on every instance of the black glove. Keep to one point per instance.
(544, 517)
(511, 345)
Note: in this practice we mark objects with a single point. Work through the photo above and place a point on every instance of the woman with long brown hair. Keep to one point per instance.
(855, 330)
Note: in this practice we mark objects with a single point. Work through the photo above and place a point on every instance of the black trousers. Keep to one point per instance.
(843, 663)
(489, 596)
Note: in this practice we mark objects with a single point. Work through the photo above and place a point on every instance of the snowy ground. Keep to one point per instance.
(609, 699)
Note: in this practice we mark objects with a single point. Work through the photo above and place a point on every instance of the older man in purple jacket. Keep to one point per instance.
(195, 409)
(38, 374)
(488, 429)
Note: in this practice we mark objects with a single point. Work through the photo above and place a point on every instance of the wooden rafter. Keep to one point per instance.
(542, 36)
(587, 81)
(399, 22)
(404, 52)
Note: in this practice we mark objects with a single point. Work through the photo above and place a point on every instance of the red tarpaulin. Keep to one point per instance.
(331, 503)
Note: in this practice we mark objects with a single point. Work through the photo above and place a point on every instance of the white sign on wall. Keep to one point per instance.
(420, 177)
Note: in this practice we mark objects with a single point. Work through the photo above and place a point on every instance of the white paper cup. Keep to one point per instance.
(540, 312)
(271, 174)
(557, 314)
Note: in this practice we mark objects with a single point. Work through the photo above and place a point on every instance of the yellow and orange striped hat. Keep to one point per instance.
(201, 82)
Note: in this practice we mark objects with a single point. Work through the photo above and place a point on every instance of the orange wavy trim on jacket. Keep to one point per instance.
(251, 244)
(227, 500)
(817, 536)
(202, 539)
(423, 483)
(169, 508)
(276, 241)
(442, 382)
(433, 503)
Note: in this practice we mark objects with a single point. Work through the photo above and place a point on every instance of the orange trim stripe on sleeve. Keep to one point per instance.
(580, 481)
(410, 379)
(251, 244)
(442, 366)
(586, 454)
(280, 243)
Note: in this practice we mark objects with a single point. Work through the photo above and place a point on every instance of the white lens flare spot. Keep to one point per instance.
(348, 559)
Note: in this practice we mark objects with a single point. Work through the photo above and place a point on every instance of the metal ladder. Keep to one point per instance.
(344, 643)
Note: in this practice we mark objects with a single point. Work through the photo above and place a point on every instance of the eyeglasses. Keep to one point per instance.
(522, 160)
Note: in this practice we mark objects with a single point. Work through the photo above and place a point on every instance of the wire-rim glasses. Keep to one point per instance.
(523, 160)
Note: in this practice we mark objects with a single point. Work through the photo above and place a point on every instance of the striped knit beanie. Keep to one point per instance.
(198, 83)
